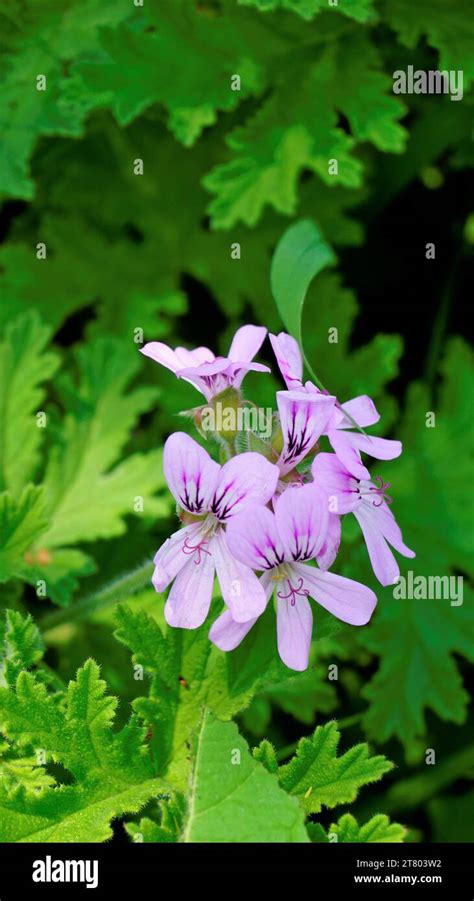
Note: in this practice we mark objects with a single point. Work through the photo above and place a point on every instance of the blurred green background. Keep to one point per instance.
(95, 257)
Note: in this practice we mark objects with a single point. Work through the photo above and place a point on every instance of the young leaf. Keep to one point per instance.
(227, 781)
(23, 773)
(266, 755)
(377, 829)
(318, 777)
(22, 646)
(171, 812)
(143, 636)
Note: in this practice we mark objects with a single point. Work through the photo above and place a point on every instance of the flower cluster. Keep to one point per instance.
(274, 510)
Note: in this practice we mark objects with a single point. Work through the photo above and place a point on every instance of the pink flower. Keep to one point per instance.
(346, 444)
(191, 556)
(208, 373)
(369, 504)
(279, 543)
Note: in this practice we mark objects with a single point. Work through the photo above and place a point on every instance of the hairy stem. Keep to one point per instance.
(118, 590)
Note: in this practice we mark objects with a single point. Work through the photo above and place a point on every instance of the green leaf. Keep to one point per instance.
(112, 771)
(361, 10)
(348, 372)
(300, 254)
(318, 777)
(143, 636)
(123, 296)
(451, 816)
(286, 135)
(377, 829)
(58, 570)
(435, 520)
(447, 27)
(226, 780)
(266, 755)
(171, 812)
(298, 130)
(41, 42)
(86, 497)
(305, 695)
(22, 773)
(22, 521)
(189, 673)
(24, 367)
(316, 833)
(151, 54)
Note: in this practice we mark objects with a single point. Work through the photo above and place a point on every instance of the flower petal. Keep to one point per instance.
(391, 530)
(381, 448)
(240, 587)
(209, 377)
(330, 474)
(246, 342)
(174, 554)
(176, 359)
(303, 419)
(383, 562)
(350, 601)
(344, 445)
(289, 359)
(328, 553)
(363, 411)
(226, 633)
(301, 514)
(253, 538)
(191, 593)
(379, 527)
(191, 474)
(240, 370)
(294, 631)
(243, 480)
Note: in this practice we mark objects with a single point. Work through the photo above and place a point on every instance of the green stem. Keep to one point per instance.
(349, 721)
(321, 387)
(287, 751)
(439, 329)
(107, 596)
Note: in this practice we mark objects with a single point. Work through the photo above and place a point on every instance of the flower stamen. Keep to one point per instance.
(380, 492)
(293, 592)
(198, 548)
